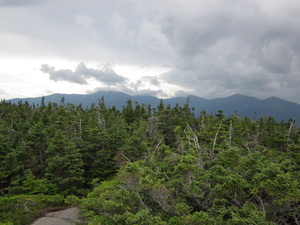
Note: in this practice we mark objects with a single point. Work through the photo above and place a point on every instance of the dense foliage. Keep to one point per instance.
(149, 165)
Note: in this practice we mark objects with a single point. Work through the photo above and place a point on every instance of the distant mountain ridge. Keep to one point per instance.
(243, 105)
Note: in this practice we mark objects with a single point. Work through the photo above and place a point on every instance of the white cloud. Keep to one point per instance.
(82, 73)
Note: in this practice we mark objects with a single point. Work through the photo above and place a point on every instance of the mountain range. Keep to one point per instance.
(243, 105)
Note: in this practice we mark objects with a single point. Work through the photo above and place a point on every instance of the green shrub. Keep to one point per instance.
(23, 209)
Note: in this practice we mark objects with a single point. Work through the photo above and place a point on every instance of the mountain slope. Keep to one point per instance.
(243, 105)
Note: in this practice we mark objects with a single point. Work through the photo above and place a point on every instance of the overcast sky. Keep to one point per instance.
(208, 48)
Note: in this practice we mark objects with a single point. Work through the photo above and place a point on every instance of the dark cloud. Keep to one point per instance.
(105, 75)
(225, 47)
(214, 48)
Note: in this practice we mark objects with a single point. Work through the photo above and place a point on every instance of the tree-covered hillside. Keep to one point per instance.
(246, 106)
(147, 164)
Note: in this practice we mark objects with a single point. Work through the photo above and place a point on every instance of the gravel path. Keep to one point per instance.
(63, 217)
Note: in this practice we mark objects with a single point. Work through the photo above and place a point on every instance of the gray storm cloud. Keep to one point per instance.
(229, 46)
(213, 48)
(105, 75)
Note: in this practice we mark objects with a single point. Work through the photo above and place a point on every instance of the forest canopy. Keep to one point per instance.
(148, 164)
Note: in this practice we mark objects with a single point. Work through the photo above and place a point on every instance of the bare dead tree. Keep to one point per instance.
(290, 128)
(212, 152)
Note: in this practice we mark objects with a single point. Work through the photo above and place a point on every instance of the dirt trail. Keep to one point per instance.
(63, 217)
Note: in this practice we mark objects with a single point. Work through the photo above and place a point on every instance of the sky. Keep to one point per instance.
(207, 48)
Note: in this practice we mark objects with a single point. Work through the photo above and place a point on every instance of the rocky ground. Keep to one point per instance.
(64, 217)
